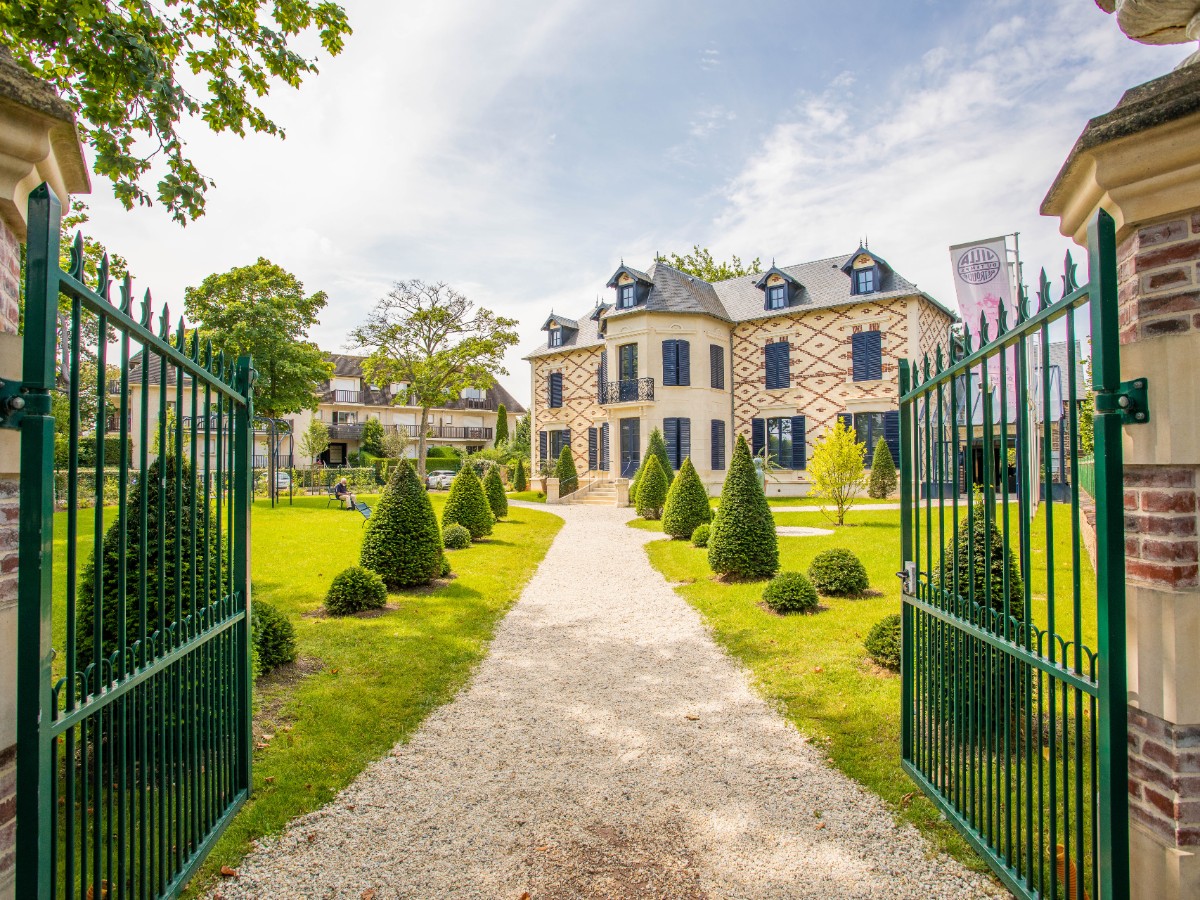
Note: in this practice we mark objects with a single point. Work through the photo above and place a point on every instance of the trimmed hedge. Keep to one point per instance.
(883, 642)
(790, 592)
(656, 446)
(355, 589)
(983, 568)
(883, 473)
(273, 635)
(468, 505)
(700, 535)
(493, 486)
(403, 544)
(520, 479)
(566, 473)
(742, 543)
(687, 503)
(87, 451)
(837, 572)
(455, 537)
(652, 493)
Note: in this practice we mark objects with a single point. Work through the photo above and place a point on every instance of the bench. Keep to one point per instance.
(365, 510)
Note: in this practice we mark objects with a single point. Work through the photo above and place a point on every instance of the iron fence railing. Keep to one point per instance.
(1013, 691)
(626, 391)
(1086, 469)
(133, 653)
(345, 396)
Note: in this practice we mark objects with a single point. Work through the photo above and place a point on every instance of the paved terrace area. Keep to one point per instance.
(606, 747)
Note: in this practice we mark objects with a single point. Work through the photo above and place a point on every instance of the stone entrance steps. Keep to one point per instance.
(600, 495)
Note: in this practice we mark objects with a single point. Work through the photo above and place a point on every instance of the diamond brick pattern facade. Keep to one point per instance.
(580, 410)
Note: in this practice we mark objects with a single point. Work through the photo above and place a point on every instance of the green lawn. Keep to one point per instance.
(527, 496)
(370, 681)
(815, 667)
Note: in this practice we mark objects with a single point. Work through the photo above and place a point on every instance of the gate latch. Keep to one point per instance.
(1131, 400)
(12, 404)
(908, 578)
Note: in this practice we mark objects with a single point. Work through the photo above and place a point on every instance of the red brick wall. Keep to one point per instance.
(1158, 280)
(1161, 542)
(1164, 777)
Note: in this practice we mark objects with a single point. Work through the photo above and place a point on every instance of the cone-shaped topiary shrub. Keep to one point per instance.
(656, 446)
(883, 473)
(468, 505)
(565, 472)
(652, 493)
(837, 572)
(171, 570)
(273, 636)
(790, 592)
(742, 543)
(981, 569)
(353, 590)
(493, 486)
(687, 503)
(455, 537)
(883, 642)
(700, 535)
(403, 544)
(520, 482)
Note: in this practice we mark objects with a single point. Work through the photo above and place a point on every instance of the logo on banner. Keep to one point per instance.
(979, 265)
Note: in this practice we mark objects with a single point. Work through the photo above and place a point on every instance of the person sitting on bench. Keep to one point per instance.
(342, 492)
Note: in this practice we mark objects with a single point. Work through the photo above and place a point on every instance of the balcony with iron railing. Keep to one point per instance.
(353, 432)
(343, 396)
(630, 390)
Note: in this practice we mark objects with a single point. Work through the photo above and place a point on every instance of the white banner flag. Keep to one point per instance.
(983, 281)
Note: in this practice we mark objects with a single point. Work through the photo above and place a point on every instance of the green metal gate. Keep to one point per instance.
(133, 668)
(1013, 643)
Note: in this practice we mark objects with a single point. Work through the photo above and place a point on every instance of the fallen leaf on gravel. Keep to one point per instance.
(524, 896)
(227, 872)
(368, 894)
(311, 838)
(542, 849)
(692, 718)
(820, 825)
(351, 807)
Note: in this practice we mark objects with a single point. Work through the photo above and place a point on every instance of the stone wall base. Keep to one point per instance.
(1158, 869)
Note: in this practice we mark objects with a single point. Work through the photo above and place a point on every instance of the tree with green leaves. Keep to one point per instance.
(566, 473)
(652, 490)
(403, 543)
(519, 445)
(742, 542)
(656, 446)
(687, 503)
(468, 505)
(501, 426)
(436, 341)
(315, 440)
(520, 482)
(493, 486)
(837, 470)
(396, 443)
(883, 473)
(700, 263)
(133, 71)
(372, 437)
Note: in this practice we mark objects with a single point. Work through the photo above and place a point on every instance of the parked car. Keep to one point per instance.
(439, 480)
(283, 481)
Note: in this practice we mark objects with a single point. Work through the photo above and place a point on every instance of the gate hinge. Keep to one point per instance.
(1131, 400)
(12, 404)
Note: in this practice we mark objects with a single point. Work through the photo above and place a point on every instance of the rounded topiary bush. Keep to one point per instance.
(687, 503)
(468, 505)
(273, 635)
(837, 572)
(445, 570)
(455, 537)
(652, 491)
(742, 543)
(700, 535)
(883, 473)
(355, 589)
(790, 592)
(493, 487)
(403, 544)
(883, 642)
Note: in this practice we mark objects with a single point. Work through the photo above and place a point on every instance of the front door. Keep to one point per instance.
(628, 372)
(631, 445)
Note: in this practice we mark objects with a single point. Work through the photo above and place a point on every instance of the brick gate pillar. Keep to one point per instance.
(38, 143)
(1141, 163)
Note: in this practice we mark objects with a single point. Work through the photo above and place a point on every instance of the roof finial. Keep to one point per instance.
(772, 262)
(867, 245)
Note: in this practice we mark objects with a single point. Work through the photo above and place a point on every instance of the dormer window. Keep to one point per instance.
(556, 337)
(866, 271)
(864, 281)
(777, 296)
(780, 289)
(626, 296)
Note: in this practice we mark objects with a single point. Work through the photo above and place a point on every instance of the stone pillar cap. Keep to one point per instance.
(38, 142)
(1139, 161)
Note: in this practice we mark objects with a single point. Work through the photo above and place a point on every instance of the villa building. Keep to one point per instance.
(777, 356)
(344, 403)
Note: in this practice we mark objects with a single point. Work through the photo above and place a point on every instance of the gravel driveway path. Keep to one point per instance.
(605, 748)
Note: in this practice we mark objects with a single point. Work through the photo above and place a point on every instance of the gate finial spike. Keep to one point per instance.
(164, 322)
(941, 362)
(76, 267)
(195, 345)
(926, 367)
(983, 329)
(1022, 304)
(127, 295)
(1070, 282)
(181, 336)
(966, 339)
(1002, 320)
(147, 309)
(208, 357)
(1043, 293)
(102, 283)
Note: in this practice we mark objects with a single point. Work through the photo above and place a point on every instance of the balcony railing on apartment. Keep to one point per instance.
(627, 391)
(282, 461)
(451, 432)
(345, 396)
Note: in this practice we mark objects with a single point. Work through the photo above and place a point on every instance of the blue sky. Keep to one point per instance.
(517, 151)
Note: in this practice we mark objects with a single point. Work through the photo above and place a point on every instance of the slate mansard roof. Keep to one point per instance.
(823, 285)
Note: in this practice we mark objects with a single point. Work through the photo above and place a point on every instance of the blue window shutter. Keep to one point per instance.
(774, 360)
(718, 444)
(685, 441)
(683, 360)
(858, 355)
(758, 435)
(566, 438)
(555, 389)
(785, 363)
(846, 419)
(541, 445)
(799, 450)
(671, 436)
(891, 434)
(670, 364)
(604, 453)
(593, 449)
(875, 354)
(716, 364)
